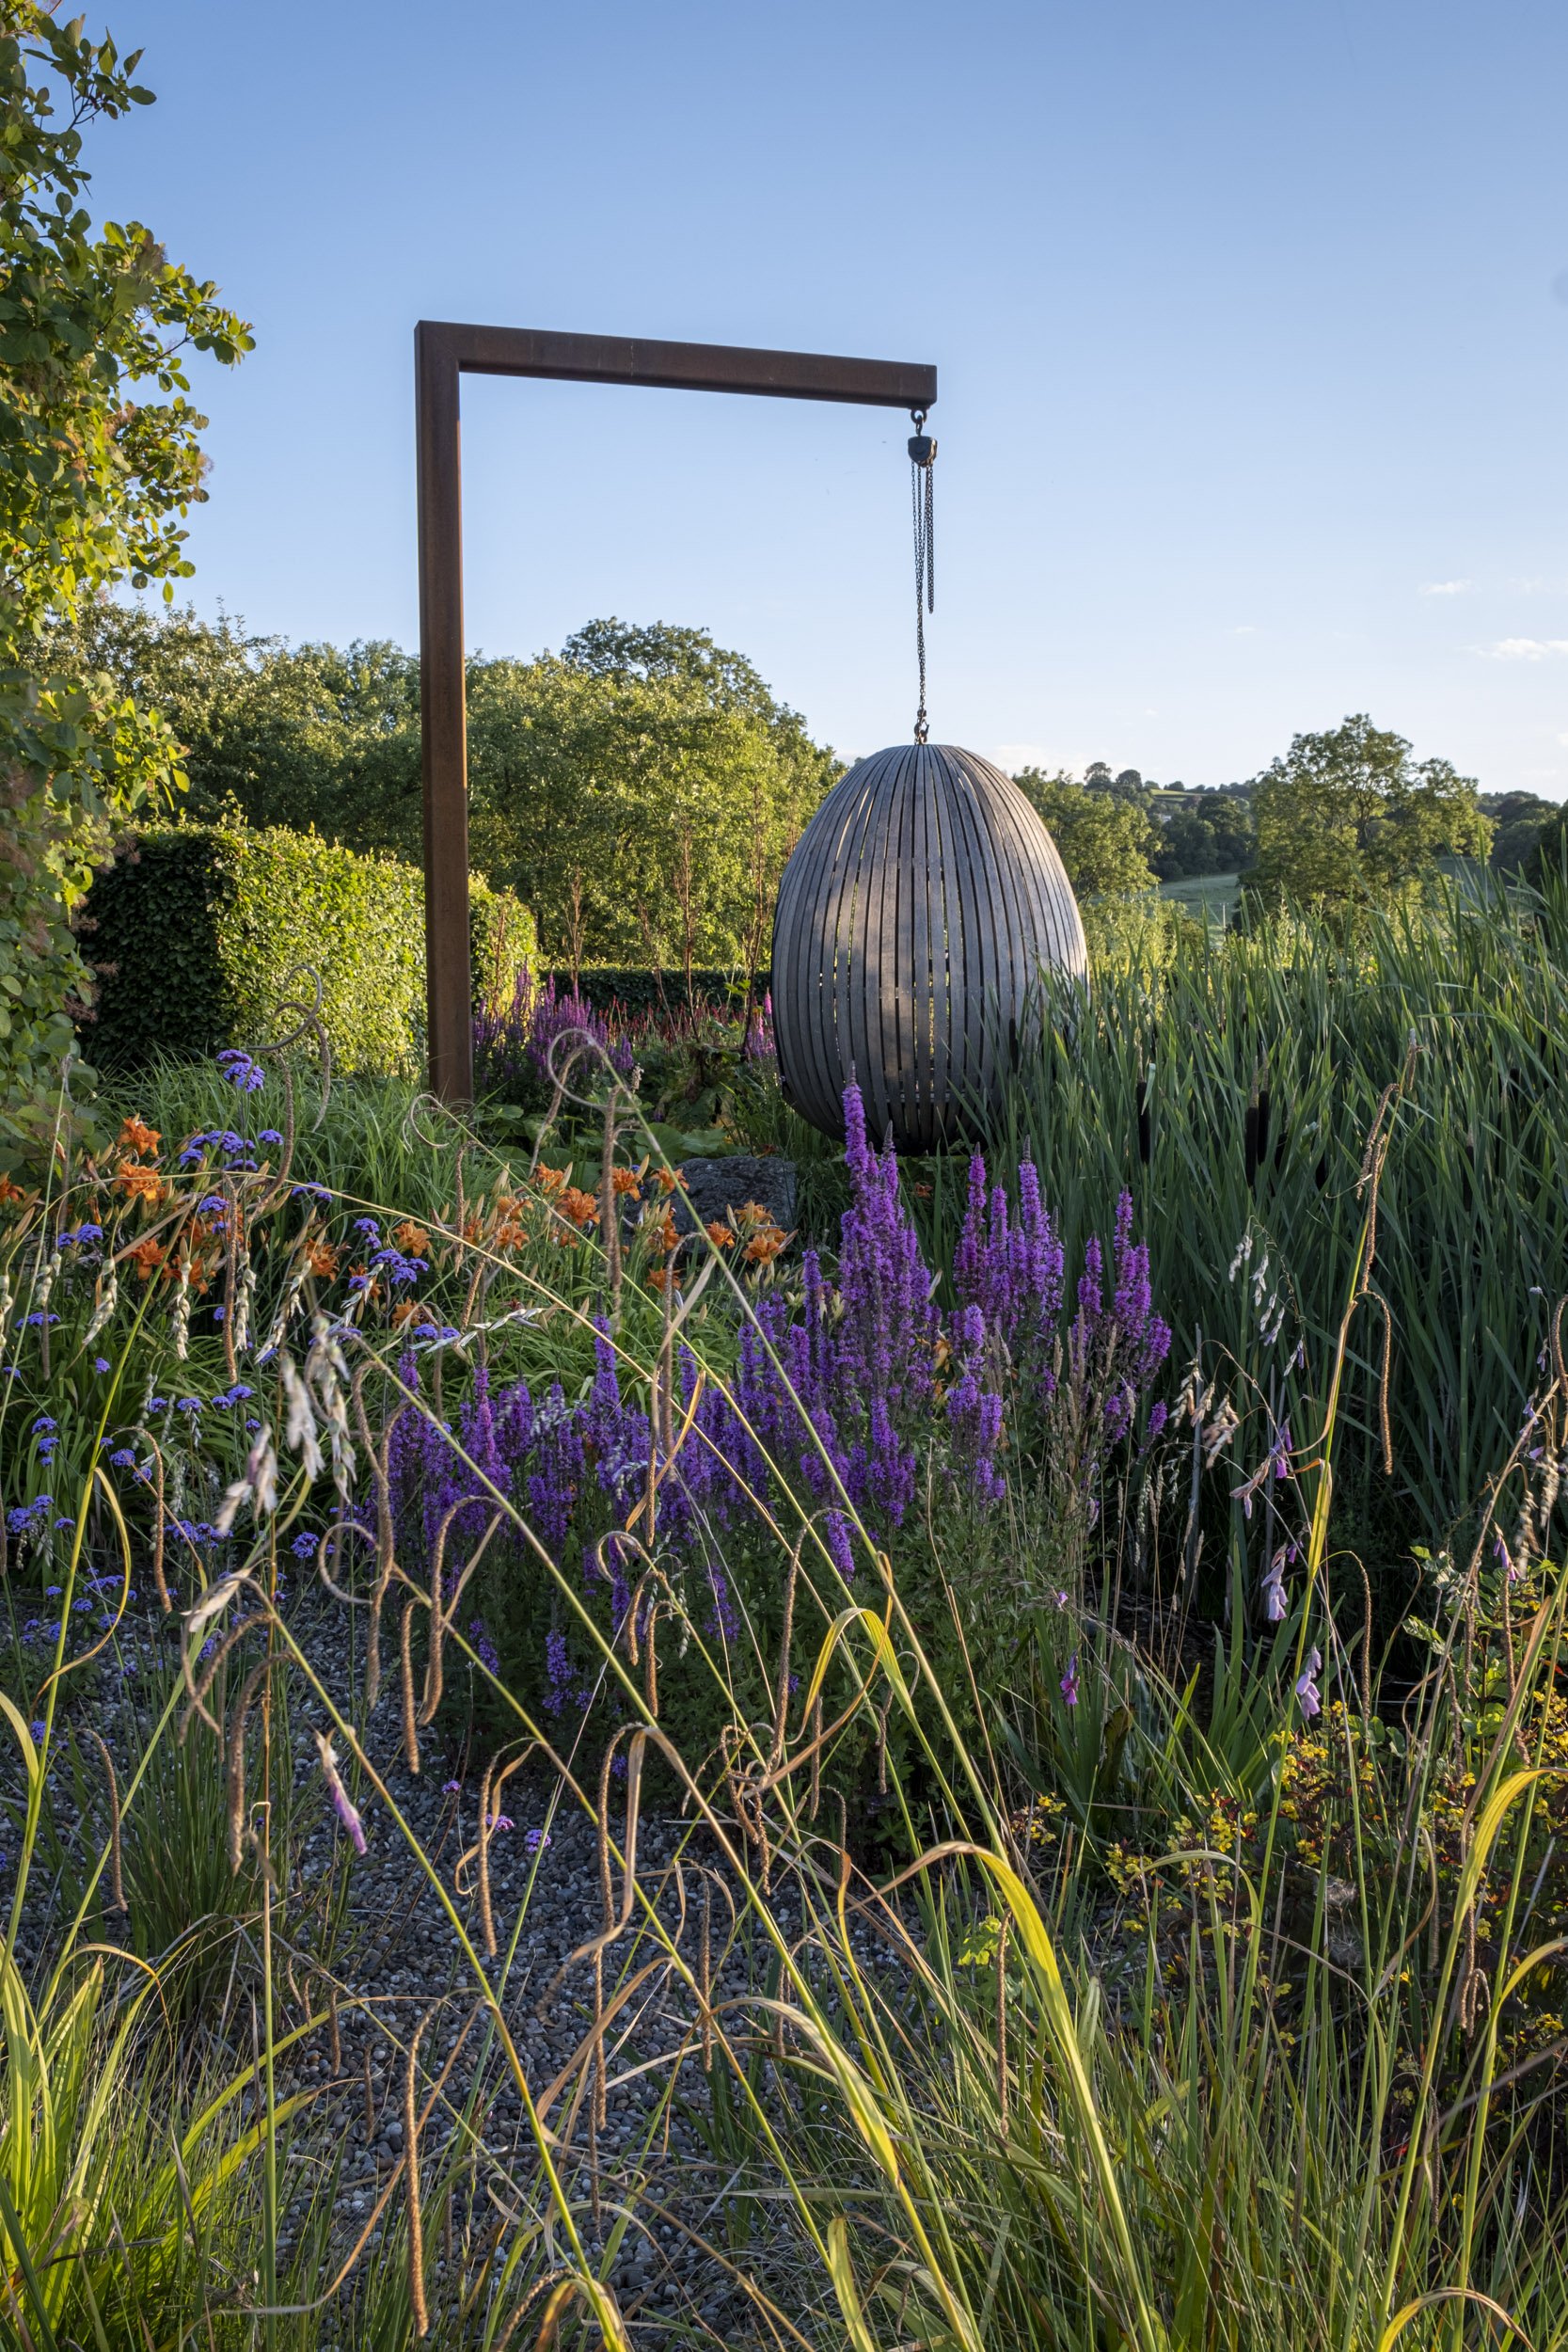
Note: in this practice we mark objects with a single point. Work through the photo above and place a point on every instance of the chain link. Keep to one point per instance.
(923, 454)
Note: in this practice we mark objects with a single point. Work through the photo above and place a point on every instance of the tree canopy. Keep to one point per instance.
(1201, 833)
(1100, 829)
(1520, 822)
(639, 790)
(1348, 817)
(95, 483)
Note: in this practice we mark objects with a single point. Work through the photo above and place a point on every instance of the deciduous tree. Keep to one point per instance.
(1103, 834)
(95, 480)
(1348, 817)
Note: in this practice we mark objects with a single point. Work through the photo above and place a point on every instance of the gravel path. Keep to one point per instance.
(396, 1959)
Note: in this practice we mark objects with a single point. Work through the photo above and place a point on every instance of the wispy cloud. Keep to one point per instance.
(1526, 649)
(1010, 757)
(1446, 587)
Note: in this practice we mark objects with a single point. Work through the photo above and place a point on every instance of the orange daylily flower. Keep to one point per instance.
(626, 1180)
(411, 1238)
(669, 1178)
(322, 1259)
(147, 1257)
(551, 1180)
(765, 1243)
(412, 1311)
(580, 1206)
(722, 1236)
(511, 1236)
(136, 1135)
(10, 1193)
(141, 1184)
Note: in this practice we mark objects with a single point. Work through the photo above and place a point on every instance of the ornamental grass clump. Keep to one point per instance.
(1230, 1083)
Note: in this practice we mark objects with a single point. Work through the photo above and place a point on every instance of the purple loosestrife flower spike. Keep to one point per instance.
(1070, 1681)
(885, 1338)
(835, 1533)
(558, 1672)
(966, 1255)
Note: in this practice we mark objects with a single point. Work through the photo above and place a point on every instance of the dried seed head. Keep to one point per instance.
(259, 1484)
(299, 1428)
(342, 1805)
(411, 2157)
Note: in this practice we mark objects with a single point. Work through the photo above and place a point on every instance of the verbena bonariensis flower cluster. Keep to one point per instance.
(844, 1397)
(513, 1043)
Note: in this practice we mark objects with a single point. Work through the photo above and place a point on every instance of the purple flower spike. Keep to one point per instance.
(1070, 1681)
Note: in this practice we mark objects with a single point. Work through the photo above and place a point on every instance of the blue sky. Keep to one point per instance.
(1252, 325)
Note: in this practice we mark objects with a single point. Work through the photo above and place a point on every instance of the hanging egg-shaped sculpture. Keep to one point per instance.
(914, 919)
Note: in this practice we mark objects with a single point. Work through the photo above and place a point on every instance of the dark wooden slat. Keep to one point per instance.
(914, 920)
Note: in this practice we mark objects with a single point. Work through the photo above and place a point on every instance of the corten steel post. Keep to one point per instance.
(441, 353)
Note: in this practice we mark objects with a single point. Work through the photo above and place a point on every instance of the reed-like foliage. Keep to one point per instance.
(1231, 1081)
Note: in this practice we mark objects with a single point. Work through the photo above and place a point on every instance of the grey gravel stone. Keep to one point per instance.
(714, 1187)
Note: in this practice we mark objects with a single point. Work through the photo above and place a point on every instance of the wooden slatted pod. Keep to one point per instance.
(913, 919)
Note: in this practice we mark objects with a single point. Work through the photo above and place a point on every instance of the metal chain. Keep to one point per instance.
(923, 454)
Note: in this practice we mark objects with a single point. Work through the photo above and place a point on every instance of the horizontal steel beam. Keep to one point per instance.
(680, 367)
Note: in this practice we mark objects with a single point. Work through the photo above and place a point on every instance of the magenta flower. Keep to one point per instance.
(1070, 1681)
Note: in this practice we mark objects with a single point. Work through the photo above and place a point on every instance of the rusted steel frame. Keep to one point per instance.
(442, 353)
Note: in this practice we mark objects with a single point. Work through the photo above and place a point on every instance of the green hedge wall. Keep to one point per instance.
(195, 928)
(634, 989)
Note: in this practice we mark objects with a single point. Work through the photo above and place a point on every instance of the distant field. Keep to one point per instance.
(1212, 896)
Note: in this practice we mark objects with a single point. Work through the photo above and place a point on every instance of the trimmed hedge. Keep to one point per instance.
(634, 989)
(194, 929)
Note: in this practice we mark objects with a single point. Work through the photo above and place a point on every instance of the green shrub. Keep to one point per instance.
(636, 989)
(195, 930)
